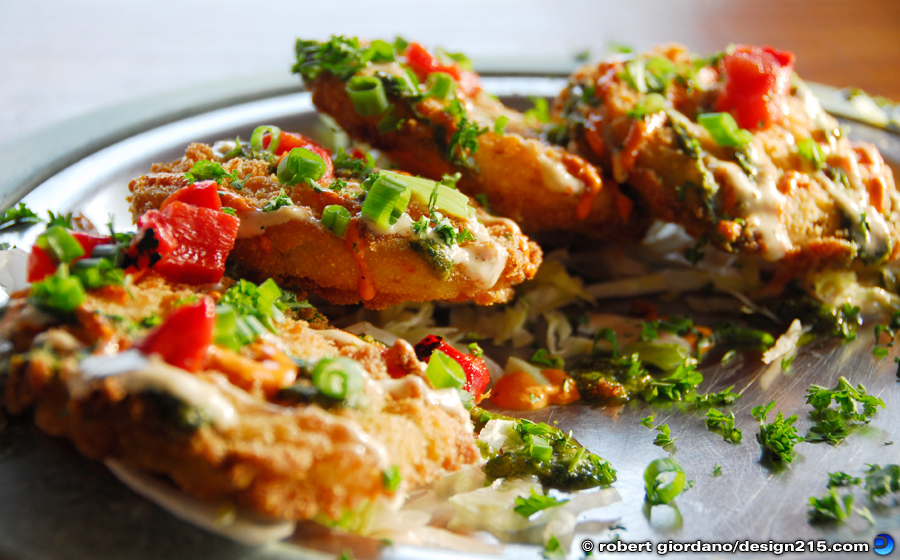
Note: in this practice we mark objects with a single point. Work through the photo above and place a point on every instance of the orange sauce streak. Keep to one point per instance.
(520, 391)
(269, 372)
(352, 239)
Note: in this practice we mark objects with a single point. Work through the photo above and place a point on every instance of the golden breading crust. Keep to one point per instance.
(524, 179)
(713, 194)
(280, 459)
(302, 254)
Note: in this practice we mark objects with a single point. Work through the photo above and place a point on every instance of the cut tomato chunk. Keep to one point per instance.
(191, 243)
(204, 194)
(184, 337)
(41, 265)
(477, 374)
(757, 81)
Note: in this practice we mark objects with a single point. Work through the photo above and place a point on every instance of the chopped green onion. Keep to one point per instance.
(367, 96)
(338, 378)
(299, 166)
(392, 478)
(500, 124)
(444, 372)
(810, 151)
(61, 245)
(256, 139)
(724, 130)
(379, 51)
(538, 447)
(385, 201)
(660, 489)
(97, 272)
(448, 200)
(441, 85)
(59, 291)
(652, 103)
(336, 218)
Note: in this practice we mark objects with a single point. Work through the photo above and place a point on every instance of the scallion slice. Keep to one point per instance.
(444, 372)
(59, 291)
(336, 218)
(440, 85)
(367, 96)
(811, 152)
(256, 139)
(538, 447)
(60, 244)
(724, 130)
(299, 166)
(338, 378)
(385, 201)
(449, 201)
(663, 480)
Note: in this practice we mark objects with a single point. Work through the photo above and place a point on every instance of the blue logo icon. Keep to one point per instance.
(884, 544)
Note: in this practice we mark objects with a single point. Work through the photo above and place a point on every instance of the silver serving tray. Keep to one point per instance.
(54, 504)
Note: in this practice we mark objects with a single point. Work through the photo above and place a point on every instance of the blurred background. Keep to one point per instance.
(64, 58)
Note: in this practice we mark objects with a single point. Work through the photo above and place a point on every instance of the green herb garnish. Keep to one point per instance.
(526, 507)
(779, 437)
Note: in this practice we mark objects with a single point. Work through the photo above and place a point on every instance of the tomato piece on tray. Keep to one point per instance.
(477, 374)
(189, 245)
(184, 337)
(41, 264)
(204, 194)
(757, 80)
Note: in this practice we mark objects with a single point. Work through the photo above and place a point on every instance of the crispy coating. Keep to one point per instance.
(540, 186)
(361, 266)
(280, 459)
(766, 200)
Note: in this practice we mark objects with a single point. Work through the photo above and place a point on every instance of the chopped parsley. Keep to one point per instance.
(246, 311)
(779, 437)
(853, 407)
(464, 141)
(831, 507)
(339, 56)
(355, 166)
(543, 358)
(718, 422)
(279, 201)
(391, 478)
(526, 507)
(553, 550)
(840, 478)
(677, 386)
(17, 216)
(64, 220)
(723, 397)
(882, 481)
(664, 438)
(647, 422)
(717, 470)
(890, 329)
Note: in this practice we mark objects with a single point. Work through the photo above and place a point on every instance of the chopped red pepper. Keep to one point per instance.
(291, 140)
(477, 374)
(191, 243)
(756, 85)
(184, 337)
(204, 194)
(41, 265)
(423, 63)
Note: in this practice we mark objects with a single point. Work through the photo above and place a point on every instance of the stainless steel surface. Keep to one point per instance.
(54, 504)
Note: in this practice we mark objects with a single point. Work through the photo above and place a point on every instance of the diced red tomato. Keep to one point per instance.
(184, 337)
(193, 242)
(477, 374)
(291, 140)
(423, 63)
(204, 194)
(41, 265)
(756, 85)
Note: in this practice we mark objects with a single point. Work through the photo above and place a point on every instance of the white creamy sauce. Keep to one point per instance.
(138, 372)
(879, 234)
(488, 220)
(762, 202)
(341, 337)
(403, 226)
(410, 385)
(255, 222)
(390, 68)
(481, 263)
(554, 173)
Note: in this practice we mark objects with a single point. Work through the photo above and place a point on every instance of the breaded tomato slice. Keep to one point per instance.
(346, 233)
(736, 149)
(430, 115)
(291, 422)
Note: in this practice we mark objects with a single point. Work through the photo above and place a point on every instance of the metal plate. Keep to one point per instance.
(55, 504)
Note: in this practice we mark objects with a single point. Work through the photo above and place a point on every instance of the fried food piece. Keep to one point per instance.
(501, 160)
(423, 256)
(215, 439)
(789, 187)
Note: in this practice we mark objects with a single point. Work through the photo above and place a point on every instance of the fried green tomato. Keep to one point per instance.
(242, 425)
(737, 150)
(430, 115)
(336, 228)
